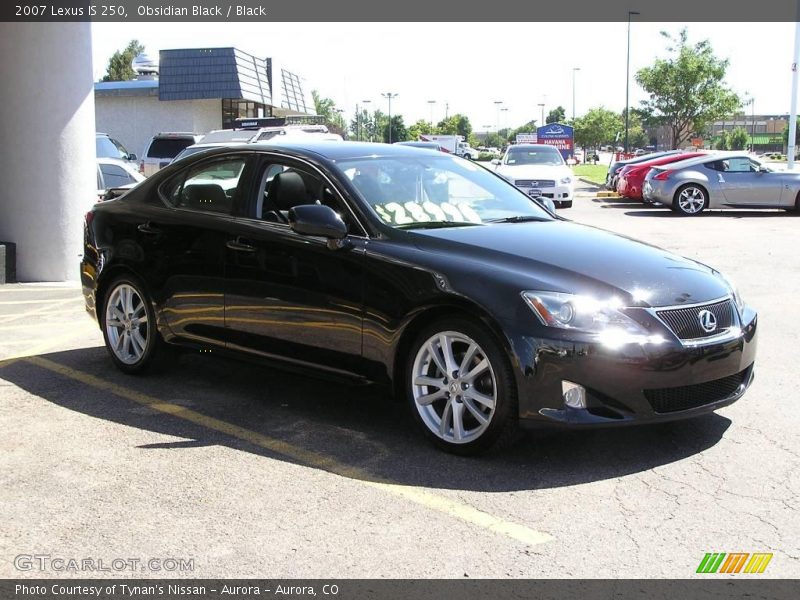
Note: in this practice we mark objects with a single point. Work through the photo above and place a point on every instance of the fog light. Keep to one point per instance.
(574, 395)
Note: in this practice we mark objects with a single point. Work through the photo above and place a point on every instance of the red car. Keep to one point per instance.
(631, 178)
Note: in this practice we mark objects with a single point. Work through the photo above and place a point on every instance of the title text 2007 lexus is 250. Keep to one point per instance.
(421, 270)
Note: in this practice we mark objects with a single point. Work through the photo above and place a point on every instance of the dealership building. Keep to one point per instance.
(197, 90)
(52, 108)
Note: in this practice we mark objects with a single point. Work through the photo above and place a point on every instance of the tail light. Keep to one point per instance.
(662, 176)
(89, 217)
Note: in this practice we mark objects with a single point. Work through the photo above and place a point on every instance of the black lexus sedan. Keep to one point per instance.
(421, 270)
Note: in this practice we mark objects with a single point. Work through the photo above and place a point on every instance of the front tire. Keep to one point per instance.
(129, 327)
(690, 200)
(461, 388)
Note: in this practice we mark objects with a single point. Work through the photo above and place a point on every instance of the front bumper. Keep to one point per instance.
(559, 193)
(634, 383)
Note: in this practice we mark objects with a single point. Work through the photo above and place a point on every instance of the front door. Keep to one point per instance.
(287, 295)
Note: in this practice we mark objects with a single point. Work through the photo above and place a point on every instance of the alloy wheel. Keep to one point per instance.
(691, 200)
(127, 327)
(454, 387)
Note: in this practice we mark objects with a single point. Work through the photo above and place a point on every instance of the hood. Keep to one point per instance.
(566, 257)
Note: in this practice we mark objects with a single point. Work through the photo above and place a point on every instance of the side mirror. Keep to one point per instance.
(495, 161)
(132, 156)
(546, 203)
(317, 219)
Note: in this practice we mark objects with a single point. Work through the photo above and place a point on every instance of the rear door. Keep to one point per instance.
(183, 236)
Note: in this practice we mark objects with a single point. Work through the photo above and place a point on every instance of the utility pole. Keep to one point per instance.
(573, 93)
(431, 103)
(497, 104)
(389, 96)
(790, 151)
(541, 105)
(628, 80)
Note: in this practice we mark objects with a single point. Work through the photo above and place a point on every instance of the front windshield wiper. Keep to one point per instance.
(435, 224)
(517, 219)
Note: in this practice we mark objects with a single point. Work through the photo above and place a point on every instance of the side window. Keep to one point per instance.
(115, 176)
(738, 165)
(209, 187)
(285, 186)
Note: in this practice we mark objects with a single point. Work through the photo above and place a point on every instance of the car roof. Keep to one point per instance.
(531, 146)
(698, 160)
(336, 151)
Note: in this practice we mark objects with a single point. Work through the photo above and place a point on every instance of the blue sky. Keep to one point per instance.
(471, 66)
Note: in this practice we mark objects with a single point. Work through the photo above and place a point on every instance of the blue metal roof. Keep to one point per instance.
(135, 87)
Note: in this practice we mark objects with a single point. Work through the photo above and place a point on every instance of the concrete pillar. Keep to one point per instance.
(48, 173)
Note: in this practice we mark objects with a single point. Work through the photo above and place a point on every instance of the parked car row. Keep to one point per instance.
(690, 182)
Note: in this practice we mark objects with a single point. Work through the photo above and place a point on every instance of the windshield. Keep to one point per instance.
(533, 156)
(109, 148)
(436, 190)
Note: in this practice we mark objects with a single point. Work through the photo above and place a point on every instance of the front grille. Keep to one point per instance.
(535, 183)
(667, 400)
(685, 322)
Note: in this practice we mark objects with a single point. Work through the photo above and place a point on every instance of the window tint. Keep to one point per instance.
(168, 147)
(533, 156)
(210, 187)
(738, 164)
(114, 175)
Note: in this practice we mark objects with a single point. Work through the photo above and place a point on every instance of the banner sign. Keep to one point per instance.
(558, 135)
(526, 138)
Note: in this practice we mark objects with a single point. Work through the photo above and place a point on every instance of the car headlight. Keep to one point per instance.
(603, 318)
(581, 313)
(737, 296)
(566, 180)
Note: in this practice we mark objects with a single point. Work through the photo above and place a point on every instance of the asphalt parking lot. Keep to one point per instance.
(247, 471)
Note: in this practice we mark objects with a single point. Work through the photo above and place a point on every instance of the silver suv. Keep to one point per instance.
(163, 148)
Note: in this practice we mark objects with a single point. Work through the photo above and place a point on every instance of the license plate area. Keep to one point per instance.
(534, 192)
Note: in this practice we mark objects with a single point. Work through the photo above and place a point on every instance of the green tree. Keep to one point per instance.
(360, 126)
(399, 131)
(421, 127)
(119, 65)
(723, 141)
(598, 126)
(529, 127)
(456, 124)
(687, 89)
(739, 139)
(557, 115)
(326, 107)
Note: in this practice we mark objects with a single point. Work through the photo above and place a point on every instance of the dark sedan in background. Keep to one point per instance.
(420, 270)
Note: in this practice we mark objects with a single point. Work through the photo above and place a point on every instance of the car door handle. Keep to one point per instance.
(149, 229)
(241, 245)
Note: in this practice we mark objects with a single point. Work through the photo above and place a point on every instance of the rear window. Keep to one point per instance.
(108, 148)
(168, 147)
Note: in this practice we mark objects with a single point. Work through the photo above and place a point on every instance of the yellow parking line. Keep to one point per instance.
(47, 312)
(453, 508)
(46, 346)
(47, 301)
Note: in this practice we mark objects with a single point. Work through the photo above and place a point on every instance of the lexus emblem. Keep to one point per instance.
(707, 320)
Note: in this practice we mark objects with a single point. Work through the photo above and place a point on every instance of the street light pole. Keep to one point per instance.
(497, 104)
(791, 149)
(389, 96)
(628, 79)
(431, 102)
(573, 93)
(505, 117)
(541, 105)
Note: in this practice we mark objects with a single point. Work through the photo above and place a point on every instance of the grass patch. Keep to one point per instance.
(594, 173)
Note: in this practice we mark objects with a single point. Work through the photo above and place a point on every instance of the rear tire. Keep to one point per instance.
(461, 389)
(128, 323)
(690, 200)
